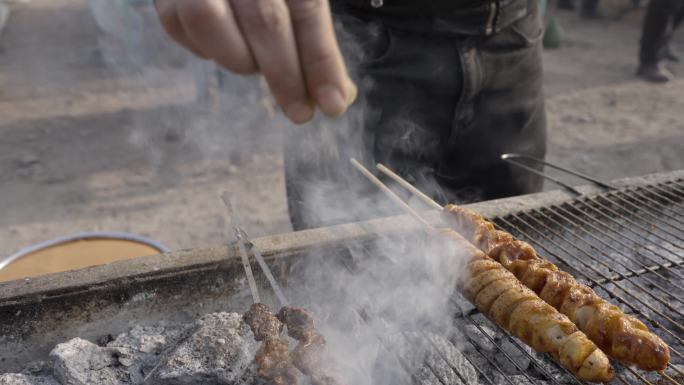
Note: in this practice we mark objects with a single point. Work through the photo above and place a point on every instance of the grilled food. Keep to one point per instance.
(307, 355)
(297, 319)
(273, 363)
(501, 297)
(263, 323)
(272, 358)
(621, 336)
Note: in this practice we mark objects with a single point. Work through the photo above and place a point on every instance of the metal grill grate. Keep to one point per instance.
(627, 244)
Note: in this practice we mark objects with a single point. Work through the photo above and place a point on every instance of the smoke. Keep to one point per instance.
(376, 302)
(371, 298)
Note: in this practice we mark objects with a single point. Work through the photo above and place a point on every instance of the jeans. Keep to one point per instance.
(439, 108)
(662, 19)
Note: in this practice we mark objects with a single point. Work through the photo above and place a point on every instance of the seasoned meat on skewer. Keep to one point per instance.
(272, 358)
(273, 362)
(309, 352)
(263, 323)
(298, 321)
(621, 336)
(307, 356)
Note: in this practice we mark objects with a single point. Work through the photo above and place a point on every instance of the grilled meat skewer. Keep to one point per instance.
(298, 321)
(307, 355)
(273, 358)
(621, 336)
(499, 295)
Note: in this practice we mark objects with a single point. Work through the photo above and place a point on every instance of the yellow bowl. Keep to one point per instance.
(75, 252)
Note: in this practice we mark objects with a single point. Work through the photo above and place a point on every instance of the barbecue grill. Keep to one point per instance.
(625, 240)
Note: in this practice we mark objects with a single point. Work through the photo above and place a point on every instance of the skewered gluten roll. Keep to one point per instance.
(501, 297)
(621, 336)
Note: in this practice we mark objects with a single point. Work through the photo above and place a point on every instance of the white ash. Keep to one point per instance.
(431, 357)
(479, 360)
(140, 348)
(216, 349)
(461, 304)
(627, 376)
(516, 354)
(479, 339)
(621, 263)
(81, 362)
(219, 350)
(410, 347)
(425, 376)
(22, 379)
(38, 368)
(456, 360)
(543, 367)
(441, 369)
(499, 379)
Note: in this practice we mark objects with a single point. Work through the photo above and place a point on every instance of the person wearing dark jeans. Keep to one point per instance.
(663, 17)
(442, 89)
(443, 98)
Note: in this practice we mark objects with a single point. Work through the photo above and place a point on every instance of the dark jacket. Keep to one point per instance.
(454, 17)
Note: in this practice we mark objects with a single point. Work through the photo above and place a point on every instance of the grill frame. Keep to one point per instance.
(620, 196)
(86, 297)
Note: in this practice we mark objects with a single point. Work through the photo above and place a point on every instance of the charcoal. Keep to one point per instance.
(218, 349)
(147, 340)
(409, 347)
(455, 358)
(479, 339)
(480, 361)
(140, 348)
(632, 378)
(544, 368)
(22, 379)
(425, 376)
(38, 368)
(441, 369)
(81, 362)
(462, 305)
(515, 380)
(517, 356)
(673, 371)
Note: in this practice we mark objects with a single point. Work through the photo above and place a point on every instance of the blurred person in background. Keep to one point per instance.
(589, 9)
(663, 17)
(443, 88)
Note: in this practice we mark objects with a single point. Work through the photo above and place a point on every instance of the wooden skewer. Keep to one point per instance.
(453, 234)
(413, 189)
(373, 179)
(243, 251)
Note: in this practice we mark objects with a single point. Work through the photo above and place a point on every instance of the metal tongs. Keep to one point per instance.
(515, 159)
(245, 246)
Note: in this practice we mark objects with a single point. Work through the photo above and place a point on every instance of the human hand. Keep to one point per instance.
(291, 43)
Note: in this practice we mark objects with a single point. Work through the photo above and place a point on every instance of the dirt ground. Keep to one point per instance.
(89, 141)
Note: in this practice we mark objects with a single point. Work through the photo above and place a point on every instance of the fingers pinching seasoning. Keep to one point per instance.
(292, 43)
